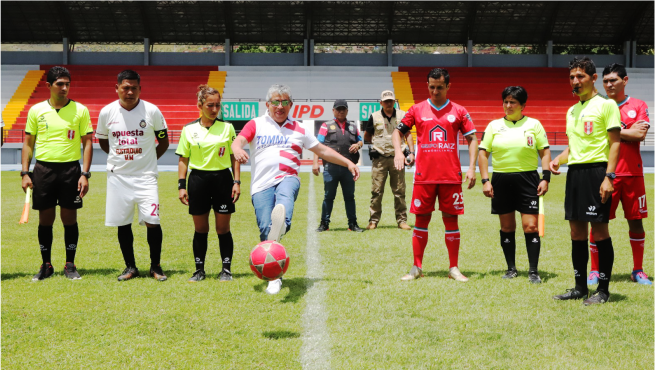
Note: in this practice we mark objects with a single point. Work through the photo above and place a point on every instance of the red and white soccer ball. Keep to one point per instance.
(269, 260)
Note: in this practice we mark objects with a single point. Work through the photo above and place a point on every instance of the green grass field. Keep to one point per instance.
(372, 319)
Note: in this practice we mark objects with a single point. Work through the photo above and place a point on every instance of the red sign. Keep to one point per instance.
(307, 111)
(587, 127)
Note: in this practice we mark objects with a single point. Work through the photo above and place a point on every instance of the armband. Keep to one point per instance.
(546, 176)
(403, 128)
(162, 134)
(182, 184)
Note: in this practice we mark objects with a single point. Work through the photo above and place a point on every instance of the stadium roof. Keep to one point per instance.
(334, 22)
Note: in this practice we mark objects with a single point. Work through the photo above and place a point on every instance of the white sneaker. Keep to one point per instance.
(274, 286)
(455, 274)
(415, 273)
(277, 224)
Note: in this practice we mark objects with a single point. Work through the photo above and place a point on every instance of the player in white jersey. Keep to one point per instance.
(126, 131)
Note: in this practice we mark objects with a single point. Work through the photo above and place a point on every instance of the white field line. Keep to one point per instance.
(315, 350)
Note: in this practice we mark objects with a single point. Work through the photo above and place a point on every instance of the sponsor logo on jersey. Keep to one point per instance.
(437, 133)
(127, 133)
(71, 134)
(529, 141)
(142, 124)
(587, 127)
(221, 151)
(632, 114)
(112, 123)
(451, 118)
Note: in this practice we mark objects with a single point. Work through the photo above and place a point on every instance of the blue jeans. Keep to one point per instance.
(334, 175)
(284, 193)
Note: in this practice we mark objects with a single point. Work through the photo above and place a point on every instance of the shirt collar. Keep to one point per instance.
(624, 101)
(287, 120)
(389, 118)
(440, 108)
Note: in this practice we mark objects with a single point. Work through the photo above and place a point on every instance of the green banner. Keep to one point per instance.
(367, 108)
(239, 110)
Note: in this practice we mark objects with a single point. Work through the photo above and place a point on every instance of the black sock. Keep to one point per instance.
(606, 259)
(533, 250)
(508, 245)
(154, 236)
(125, 240)
(226, 245)
(45, 242)
(580, 264)
(200, 249)
(71, 235)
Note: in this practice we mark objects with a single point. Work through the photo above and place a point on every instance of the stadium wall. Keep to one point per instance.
(320, 59)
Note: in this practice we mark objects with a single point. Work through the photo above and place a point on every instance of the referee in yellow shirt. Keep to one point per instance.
(515, 142)
(56, 127)
(205, 148)
(593, 130)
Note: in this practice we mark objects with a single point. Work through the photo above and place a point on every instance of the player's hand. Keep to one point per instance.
(241, 156)
(410, 160)
(27, 183)
(471, 177)
(354, 148)
(554, 166)
(399, 161)
(543, 187)
(606, 190)
(354, 170)
(488, 191)
(236, 192)
(184, 198)
(83, 186)
(641, 125)
(315, 169)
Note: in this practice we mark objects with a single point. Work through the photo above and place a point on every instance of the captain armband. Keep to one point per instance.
(162, 134)
(403, 128)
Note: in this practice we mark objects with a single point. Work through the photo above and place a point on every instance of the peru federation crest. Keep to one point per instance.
(587, 127)
(529, 141)
(221, 151)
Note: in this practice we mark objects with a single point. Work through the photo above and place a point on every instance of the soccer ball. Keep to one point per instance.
(269, 260)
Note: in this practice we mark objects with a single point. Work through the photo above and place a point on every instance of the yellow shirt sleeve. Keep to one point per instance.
(488, 136)
(183, 144)
(31, 127)
(85, 123)
(541, 136)
(612, 115)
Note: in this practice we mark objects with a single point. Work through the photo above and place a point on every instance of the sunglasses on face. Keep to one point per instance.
(276, 103)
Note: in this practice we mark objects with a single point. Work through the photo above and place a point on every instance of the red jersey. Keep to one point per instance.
(630, 162)
(437, 156)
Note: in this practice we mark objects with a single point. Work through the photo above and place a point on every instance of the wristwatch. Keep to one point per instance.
(237, 182)
(611, 175)
(86, 174)
(23, 173)
(483, 181)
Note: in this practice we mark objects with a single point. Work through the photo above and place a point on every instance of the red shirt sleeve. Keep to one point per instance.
(248, 132)
(643, 113)
(409, 119)
(323, 130)
(466, 123)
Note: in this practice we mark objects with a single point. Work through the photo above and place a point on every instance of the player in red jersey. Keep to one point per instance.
(438, 174)
(630, 183)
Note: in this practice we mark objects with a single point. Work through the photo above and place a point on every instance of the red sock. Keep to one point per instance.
(594, 254)
(637, 241)
(420, 238)
(452, 239)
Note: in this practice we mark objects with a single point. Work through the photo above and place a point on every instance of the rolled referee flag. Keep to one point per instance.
(541, 216)
(26, 208)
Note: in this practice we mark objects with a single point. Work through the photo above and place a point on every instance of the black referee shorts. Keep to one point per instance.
(210, 189)
(56, 184)
(582, 199)
(515, 191)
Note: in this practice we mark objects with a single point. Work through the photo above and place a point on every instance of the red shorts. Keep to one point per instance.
(631, 191)
(449, 195)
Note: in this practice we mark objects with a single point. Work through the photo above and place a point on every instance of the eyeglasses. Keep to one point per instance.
(276, 103)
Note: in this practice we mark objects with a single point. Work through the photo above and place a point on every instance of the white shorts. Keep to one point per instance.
(124, 192)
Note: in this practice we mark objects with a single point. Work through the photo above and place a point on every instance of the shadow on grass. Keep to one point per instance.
(298, 287)
(545, 276)
(280, 334)
(614, 297)
(97, 272)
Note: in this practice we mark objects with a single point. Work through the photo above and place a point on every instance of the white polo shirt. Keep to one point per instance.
(275, 151)
(131, 136)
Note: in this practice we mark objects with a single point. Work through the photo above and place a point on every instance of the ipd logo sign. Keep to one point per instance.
(307, 111)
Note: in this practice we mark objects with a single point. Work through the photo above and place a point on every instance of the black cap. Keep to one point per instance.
(340, 103)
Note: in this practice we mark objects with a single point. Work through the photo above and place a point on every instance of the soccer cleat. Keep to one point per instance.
(277, 229)
(571, 294)
(225, 275)
(534, 278)
(593, 278)
(157, 273)
(355, 227)
(372, 225)
(597, 297)
(197, 276)
(455, 274)
(640, 277)
(510, 274)
(274, 286)
(404, 226)
(129, 273)
(323, 226)
(45, 271)
(70, 271)
(415, 273)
